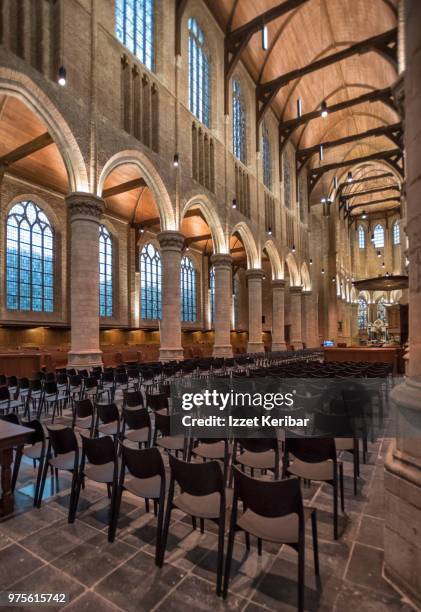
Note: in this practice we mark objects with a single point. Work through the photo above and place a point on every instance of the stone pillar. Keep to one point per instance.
(278, 315)
(296, 337)
(85, 212)
(171, 243)
(403, 462)
(308, 319)
(223, 304)
(254, 281)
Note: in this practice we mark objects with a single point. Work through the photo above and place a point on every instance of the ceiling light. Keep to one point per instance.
(234, 203)
(335, 182)
(333, 279)
(379, 254)
(61, 76)
(299, 107)
(176, 160)
(364, 215)
(323, 110)
(323, 270)
(293, 248)
(141, 229)
(349, 177)
(265, 38)
(321, 153)
(311, 262)
(383, 266)
(270, 231)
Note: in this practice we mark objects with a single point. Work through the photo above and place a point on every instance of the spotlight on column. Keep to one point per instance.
(176, 160)
(310, 262)
(269, 231)
(265, 38)
(383, 266)
(323, 270)
(364, 215)
(323, 110)
(387, 273)
(234, 203)
(333, 279)
(349, 177)
(61, 76)
(141, 229)
(293, 248)
(379, 254)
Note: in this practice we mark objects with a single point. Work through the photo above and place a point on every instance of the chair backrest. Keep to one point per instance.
(311, 450)
(50, 387)
(75, 380)
(136, 419)
(23, 383)
(143, 463)
(10, 418)
(163, 423)
(71, 372)
(108, 377)
(38, 435)
(133, 399)
(99, 451)
(268, 498)
(62, 440)
(4, 394)
(12, 381)
(83, 373)
(62, 379)
(156, 401)
(90, 382)
(258, 445)
(335, 425)
(121, 378)
(107, 413)
(197, 478)
(35, 385)
(50, 376)
(3, 380)
(84, 408)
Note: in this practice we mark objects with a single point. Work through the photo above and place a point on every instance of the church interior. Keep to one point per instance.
(195, 190)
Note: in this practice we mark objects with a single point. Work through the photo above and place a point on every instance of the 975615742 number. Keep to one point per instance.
(22, 599)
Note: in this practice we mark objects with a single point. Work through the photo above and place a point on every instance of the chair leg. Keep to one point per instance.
(355, 462)
(193, 522)
(37, 486)
(74, 497)
(341, 483)
(202, 525)
(159, 557)
(315, 542)
(114, 517)
(16, 466)
(165, 532)
(247, 539)
(220, 564)
(113, 507)
(43, 479)
(301, 576)
(259, 546)
(228, 560)
(335, 506)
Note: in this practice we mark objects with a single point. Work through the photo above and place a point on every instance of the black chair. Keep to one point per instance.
(213, 449)
(157, 402)
(108, 384)
(53, 397)
(35, 450)
(75, 387)
(62, 454)
(202, 495)
(98, 463)
(315, 459)
(84, 416)
(257, 454)
(133, 399)
(34, 398)
(7, 403)
(272, 511)
(137, 426)
(108, 420)
(166, 440)
(142, 473)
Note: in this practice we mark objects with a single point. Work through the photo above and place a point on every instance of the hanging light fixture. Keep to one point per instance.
(61, 76)
(323, 270)
(311, 262)
(141, 229)
(323, 109)
(293, 248)
(379, 254)
(349, 177)
(383, 266)
(176, 160)
(269, 231)
(335, 182)
(299, 108)
(265, 38)
(364, 215)
(333, 279)
(234, 203)
(321, 153)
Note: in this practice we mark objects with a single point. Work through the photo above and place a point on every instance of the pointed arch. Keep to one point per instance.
(275, 260)
(253, 256)
(293, 271)
(305, 277)
(210, 214)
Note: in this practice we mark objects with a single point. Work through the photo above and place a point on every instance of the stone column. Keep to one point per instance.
(171, 243)
(223, 304)
(85, 212)
(308, 319)
(296, 337)
(403, 462)
(254, 281)
(278, 315)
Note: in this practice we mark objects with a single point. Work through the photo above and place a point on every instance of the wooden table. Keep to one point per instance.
(10, 436)
(387, 354)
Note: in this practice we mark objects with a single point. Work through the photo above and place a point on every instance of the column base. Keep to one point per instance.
(255, 347)
(222, 350)
(84, 359)
(297, 344)
(171, 354)
(402, 483)
(277, 347)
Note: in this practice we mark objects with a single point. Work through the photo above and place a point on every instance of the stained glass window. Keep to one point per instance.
(381, 310)
(362, 314)
(150, 283)
(188, 290)
(266, 158)
(105, 273)
(238, 123)
(135, 28)
(29, 259)
(361, 237)
(396, 232)
(212, 293)
(199, 74)
(286, 176)
(378, 236)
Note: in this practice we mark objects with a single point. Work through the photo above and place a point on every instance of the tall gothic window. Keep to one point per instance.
(199, 74)
(135, 28)
(286, 177)
(266, 157)
(238, 123)
(362, 314)
(29, 259)
(378, 240)
(361, 237)
(212, 293)
(396, 233)
(150, 283)
(381, 310)
(188, 291)
(105, 273)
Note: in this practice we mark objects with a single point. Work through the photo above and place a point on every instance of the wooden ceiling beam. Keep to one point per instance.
(372, 202)
(147, 223)
(198, 238)
(123, 188)
(365, 179)
(26, 149)
(355, 194)
(287, 128)
(385, 44)
(237, 40)
(394, 132)
(392, 157)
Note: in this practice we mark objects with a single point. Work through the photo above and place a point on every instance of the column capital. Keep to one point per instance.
(85, 205)
(221, 260)
(255, 274)
(279, 283)
(296, 290)
(307, 293)
(171, 240)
